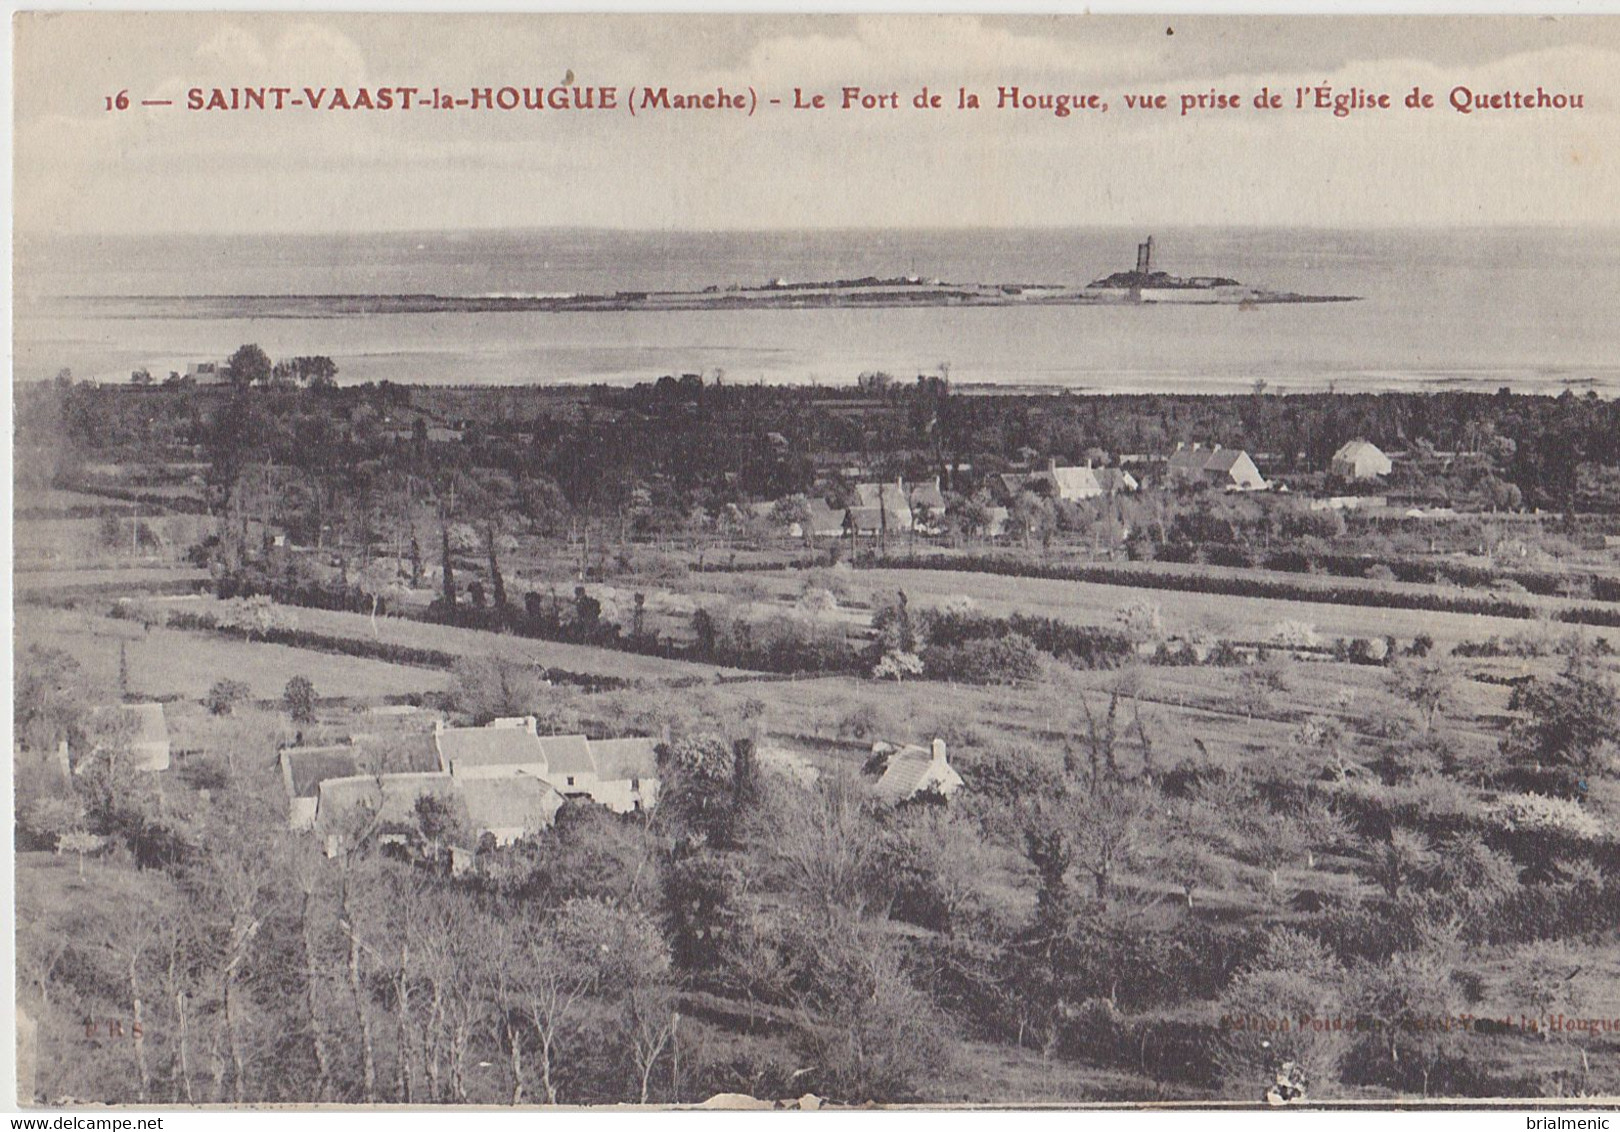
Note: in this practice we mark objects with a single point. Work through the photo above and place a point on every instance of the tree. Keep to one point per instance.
(1259, 683)
(1142, 622)
(562, 965)
(1397, 863)
(1429, 685)
(697, 787)
(823, 846)
(969, 516)
(490, 687)
(1321, 738)
(379, 581)
(870, 1033)
(1411, 1002)
(257, 614)
(249, 366)
(1543, 976)
(81, 842)
(1192, 866)
(225, 695)
(52, 699)
(1572, 721)
(1472, 873)
(1294, 980)
(1032, 518)
(897, 665)
(299, 698)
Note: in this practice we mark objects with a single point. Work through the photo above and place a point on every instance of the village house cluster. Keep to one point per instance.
(510, 779)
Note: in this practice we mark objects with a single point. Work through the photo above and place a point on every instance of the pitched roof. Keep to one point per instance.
(489, 746)
(396, 751)
(1115, 479)
(888, 496)
(903, 775)
(625, 758)
(823, 518)
(1189, 458)
(1073, 482)
(1012, 483)
(491, 804)
(1224, 459)
(1358, 453)
(928, 495)
(303, 769)
(524, 802)
(391, 796)
(567, 754)
(864, 518)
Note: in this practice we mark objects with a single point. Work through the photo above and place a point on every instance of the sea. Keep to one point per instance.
(1531, 309)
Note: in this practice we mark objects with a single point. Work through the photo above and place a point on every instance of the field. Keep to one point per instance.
(1241, 618)
(168, 663)
(583, 659)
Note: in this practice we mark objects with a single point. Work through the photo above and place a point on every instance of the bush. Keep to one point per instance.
(863, 722)
(299, 698)
(225, 695)
(1537, 813)
(1012, 659)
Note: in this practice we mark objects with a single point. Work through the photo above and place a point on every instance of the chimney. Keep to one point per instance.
(438, 727)
(939, 752)
(531, 725)
(1051, 463)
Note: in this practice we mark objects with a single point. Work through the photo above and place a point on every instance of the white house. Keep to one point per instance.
(621, 774)
(1228, 468)
(1361, 460)
(913, 770)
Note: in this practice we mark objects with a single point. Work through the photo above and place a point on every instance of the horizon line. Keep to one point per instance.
(1516, 225)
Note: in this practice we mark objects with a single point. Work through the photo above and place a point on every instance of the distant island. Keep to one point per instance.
(1144, 285)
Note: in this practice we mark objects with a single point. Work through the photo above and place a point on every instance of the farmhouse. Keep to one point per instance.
(304, 769)
(505, 748)
(1069, 484)
(621, 774)
(1360, 460)
(389, 804)
(208, 373)
(886, 503)
(824, 521)
(1230, 469)
(1115, 480)
(910, 771)
(927, 496)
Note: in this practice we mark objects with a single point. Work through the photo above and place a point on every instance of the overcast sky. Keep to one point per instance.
(80, 168)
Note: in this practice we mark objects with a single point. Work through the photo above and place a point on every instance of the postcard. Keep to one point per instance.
(801, 562)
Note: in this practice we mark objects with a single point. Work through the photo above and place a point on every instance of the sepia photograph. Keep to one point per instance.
(815, 562)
